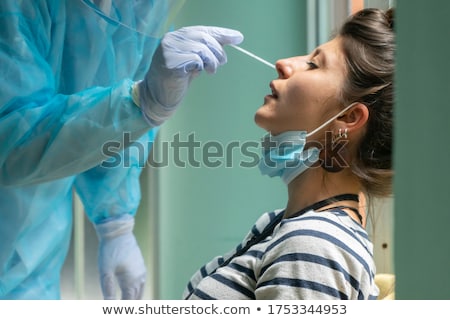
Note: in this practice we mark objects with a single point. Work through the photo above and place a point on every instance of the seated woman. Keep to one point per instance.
(329, 123)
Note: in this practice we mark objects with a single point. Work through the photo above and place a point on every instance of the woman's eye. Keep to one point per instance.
(312, 65)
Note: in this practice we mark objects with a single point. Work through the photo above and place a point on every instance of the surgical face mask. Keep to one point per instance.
(284, 156)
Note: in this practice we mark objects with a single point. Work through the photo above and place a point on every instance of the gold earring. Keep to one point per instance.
(341, 134)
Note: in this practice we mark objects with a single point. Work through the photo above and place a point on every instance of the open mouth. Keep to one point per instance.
(274, 92)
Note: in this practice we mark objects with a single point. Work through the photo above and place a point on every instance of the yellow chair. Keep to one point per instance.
(386, 284)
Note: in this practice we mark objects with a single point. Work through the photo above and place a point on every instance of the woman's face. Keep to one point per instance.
(306, 93)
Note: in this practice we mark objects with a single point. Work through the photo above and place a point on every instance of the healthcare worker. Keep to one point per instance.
(78, 74)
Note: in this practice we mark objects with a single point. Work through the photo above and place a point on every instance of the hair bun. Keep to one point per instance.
(390, 17)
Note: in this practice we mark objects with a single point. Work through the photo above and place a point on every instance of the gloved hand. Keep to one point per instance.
(181, 56)
(120, 259)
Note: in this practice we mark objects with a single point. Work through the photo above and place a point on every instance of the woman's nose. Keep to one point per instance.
(284, 68)
(287, 67)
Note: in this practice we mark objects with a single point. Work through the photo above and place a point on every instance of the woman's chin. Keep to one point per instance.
(260, 120)
(266, 117)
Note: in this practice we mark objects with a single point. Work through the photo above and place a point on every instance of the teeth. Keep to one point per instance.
(274, 93)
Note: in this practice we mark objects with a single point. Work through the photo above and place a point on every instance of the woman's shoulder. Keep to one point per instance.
(268, 218)
(323, 228)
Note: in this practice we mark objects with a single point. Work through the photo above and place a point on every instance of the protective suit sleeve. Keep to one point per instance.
(45, 135)
(111, 195)
(59, 138)
(113, 188)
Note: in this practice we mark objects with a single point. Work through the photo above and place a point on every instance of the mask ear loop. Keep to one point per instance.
(330, 120)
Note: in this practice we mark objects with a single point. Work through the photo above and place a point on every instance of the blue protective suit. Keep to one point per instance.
(67, 73)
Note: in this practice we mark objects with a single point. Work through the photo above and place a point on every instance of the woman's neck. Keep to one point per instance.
(317, 184)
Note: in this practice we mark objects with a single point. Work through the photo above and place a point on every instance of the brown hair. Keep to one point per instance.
(369, 48)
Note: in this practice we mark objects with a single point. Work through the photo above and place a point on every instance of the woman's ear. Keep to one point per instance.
(354, 119)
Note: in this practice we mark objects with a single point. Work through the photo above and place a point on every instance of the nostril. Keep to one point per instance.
(280, 72)
(283, 68)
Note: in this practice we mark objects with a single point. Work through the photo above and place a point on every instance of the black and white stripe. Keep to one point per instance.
(318, 255)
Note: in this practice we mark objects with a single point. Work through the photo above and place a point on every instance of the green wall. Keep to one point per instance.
(206, 211)
(202, 212)
(422, 151)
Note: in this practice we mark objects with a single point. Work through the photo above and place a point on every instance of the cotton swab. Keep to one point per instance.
(253, 56)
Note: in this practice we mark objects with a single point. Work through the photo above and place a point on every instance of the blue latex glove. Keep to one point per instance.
(120, 259)
(181, 56)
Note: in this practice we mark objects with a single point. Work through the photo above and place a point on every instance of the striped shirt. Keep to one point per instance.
(318, 255)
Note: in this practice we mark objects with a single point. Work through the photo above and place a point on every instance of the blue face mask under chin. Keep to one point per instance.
(284, 156)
